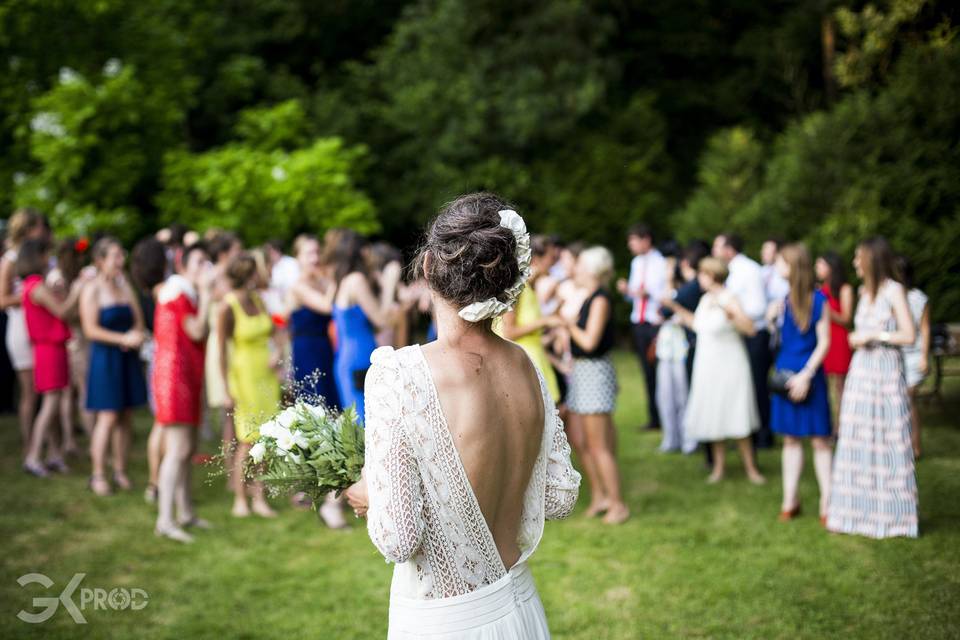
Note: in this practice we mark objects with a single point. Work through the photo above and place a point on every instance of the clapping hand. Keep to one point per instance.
(622, 286)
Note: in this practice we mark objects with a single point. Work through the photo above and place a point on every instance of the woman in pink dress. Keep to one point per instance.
(180, 332)
(43, 313)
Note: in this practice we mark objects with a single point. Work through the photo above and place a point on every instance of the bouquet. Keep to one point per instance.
(306, 448)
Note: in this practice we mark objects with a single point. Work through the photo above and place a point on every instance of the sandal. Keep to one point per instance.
(789, 514)
(173, 533)
(36, 469)
(57, 465)
(195, 522)
(150, 494)
(122, 481)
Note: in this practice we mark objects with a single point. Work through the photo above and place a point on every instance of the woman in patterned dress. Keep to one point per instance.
(874, 489)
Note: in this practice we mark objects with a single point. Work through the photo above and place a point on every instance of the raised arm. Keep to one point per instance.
(373, 308)
(303, 294)
(42, 295)
(395, 514)
(741, 322)
(514, 331)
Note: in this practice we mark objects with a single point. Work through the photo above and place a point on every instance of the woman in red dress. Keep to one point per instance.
(833, 283)
(180, 331)
(43, 312)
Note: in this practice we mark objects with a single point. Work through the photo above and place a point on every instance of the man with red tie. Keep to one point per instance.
(645, 288)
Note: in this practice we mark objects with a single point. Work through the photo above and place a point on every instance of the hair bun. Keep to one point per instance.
(472, 256)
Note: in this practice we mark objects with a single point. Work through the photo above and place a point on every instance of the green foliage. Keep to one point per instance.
(262, 190)
(95, 144)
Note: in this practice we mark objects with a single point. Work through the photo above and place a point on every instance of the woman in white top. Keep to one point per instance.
(24, 224)
(721, 405)
(465, 454)
(916, 356)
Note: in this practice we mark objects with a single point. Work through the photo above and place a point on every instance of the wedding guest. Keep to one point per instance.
(672, 352)
(874, 490)
(525, 325)
(43, 312)
(223, 248)
(745, 282)
(310, 301)
(385, 264)
(244, 330)
(832, 276)
(775, 286)
(180, 328)
(357, 312)
(475, 404)
(644, 289)
(593, 380)
(24, 224)
(915, 356)
(283, 271)
(71, 257)
(804, 410)
(721, 405)
(149, 268)
(113, 323)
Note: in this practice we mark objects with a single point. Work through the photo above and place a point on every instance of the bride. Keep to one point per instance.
(466, 456)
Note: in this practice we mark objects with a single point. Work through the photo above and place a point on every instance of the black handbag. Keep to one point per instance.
(778, 381)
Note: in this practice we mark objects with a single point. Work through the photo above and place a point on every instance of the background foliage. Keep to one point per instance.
(823, 120)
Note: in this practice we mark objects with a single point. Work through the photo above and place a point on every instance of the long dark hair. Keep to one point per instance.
(876, 261)
(343, 248)
(838, 272)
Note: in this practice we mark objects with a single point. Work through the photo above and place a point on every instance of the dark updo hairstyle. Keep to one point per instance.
(33, 258)
(471, 256)
(241, 269)
(71, 254)
(148, 263)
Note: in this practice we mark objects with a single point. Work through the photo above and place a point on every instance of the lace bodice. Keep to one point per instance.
(423, 514)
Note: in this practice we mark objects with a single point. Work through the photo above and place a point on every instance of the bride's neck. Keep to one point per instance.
(456, 333)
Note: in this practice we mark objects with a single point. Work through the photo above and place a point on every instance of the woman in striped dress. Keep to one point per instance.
(874, 486)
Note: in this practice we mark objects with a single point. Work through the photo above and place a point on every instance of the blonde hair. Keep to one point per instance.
(714, 268)
(599, 262)
(801, 283)
(21, 223)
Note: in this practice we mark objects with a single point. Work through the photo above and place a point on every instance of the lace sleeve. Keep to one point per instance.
(563, 481)
(394, 516)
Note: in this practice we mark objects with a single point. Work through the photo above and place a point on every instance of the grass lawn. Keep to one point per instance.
(694, 561)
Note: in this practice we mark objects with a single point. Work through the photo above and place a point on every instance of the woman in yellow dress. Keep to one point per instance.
(525, 324)
(253, 388)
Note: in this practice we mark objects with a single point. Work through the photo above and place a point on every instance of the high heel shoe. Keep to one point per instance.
(787, 516)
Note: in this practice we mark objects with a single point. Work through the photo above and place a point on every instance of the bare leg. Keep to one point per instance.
(240, 507)
(823, 466)
(66, 422)
(227, 434)
(577, 439)
(27, 406)
(121, 448)
(749, 463)
(719, 460)
(792, 461)
(837, 380)
(597, 429)
(103, 428)
(41, 429)
(184, 494)
(914, 421)
(155, 444)
(177, 454)
(87, 418)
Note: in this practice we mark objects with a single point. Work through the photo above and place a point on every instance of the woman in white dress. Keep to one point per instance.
(465, 454)
(721, 405)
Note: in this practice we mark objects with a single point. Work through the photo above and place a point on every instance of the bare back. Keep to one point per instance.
(494, 410)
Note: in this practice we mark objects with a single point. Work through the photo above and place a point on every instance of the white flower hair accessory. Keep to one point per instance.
(493, 307)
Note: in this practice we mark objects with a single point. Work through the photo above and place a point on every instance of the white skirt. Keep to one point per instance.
(18, 340)
(508, 609)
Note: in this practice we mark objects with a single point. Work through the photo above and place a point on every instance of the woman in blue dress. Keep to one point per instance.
(311, 303)
(804, 410)
(113, 322)
(357, 312)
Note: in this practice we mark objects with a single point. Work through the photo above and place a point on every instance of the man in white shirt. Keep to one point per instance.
(776, 287)
(645, 288)
(746, 282)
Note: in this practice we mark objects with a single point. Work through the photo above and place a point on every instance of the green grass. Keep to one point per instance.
(695, 561)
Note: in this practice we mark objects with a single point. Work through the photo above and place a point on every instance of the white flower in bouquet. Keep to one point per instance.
(257, 452)
(288, 417)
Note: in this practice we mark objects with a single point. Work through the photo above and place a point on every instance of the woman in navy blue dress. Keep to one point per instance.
(112, 321)
(804, 410)
(311, 303)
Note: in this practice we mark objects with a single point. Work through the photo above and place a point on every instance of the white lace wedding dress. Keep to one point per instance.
(449, 580)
